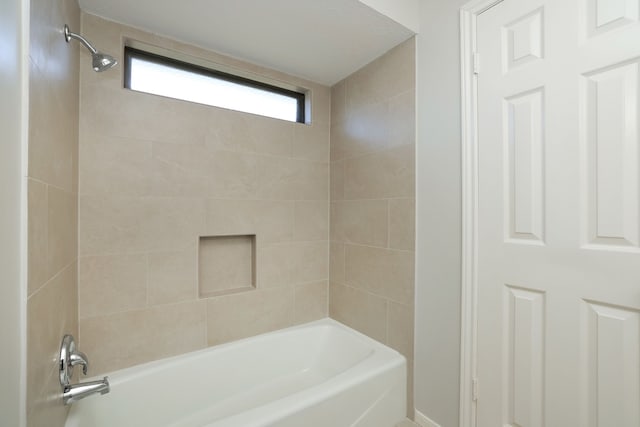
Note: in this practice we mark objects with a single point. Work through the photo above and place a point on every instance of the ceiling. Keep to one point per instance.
(319, 40)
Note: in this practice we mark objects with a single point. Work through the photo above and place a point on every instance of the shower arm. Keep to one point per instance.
(68, 35)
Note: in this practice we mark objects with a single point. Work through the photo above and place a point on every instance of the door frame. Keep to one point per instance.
(14, 114)
(469, 66)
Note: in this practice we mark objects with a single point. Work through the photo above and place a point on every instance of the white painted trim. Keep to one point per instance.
(424, 421)
(469, 133)
(14, 32)
(24, 254)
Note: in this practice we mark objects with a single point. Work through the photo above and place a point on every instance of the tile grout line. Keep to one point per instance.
(146, 278)
(388, 224)
(365, 291)
(406, 251)
(51, 279)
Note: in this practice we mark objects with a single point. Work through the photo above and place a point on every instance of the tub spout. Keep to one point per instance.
(75, 392)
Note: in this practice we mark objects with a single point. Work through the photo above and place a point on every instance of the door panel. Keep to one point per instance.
(610, 134)
(613, 365)
(524, 199)
(607, 15)
(559, 214)
(525, 356)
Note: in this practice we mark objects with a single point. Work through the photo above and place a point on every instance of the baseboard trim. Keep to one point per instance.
(425, 421)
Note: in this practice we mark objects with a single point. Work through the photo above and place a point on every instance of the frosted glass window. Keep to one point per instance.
(150, 73)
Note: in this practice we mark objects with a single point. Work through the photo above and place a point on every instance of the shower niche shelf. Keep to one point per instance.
(226, 264)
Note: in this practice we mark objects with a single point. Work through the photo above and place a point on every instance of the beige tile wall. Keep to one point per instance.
(157, 173)
(372, 201)
(52, 203)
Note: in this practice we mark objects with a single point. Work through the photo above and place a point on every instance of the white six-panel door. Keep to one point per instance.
(558, 264)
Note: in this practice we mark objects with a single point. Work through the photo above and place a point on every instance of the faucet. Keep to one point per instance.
(70, 357)
(75, 392)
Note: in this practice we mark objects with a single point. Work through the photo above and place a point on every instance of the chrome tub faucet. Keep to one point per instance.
(70, 357)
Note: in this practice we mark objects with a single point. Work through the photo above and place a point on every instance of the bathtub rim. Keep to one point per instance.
(131, 372)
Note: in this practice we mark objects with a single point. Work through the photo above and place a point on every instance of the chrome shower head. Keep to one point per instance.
(100, 61)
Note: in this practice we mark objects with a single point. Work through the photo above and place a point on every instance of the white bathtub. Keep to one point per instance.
(321, 374)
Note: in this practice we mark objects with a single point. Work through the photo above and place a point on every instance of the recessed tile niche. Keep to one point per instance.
(226, 264)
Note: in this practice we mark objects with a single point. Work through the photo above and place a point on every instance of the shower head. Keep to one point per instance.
(100, 61)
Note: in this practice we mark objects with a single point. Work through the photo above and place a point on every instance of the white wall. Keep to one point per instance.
(404, 12)
(12, 298)
(438, 244)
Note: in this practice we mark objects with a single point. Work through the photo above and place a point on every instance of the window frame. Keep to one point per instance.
(135, 53)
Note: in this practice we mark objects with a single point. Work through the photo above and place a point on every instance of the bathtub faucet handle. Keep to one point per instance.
(70, 357)
(79, 358)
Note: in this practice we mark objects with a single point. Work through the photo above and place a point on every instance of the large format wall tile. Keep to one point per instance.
(271, 220)
(53, 132)
(336, 262)
(115, 165)
(156, 176)
(372, 193)
(242, 315)
(292, 263)
(400, 328)
(52, 215)
(124, 339)
(129, 114)
(113, 224)
(38, 234)
(384, 272)
(337, 180)
(62, 241)
(51, 313)
(309, 261)
(384, 78)
(310, 301)
(374, 127)
(311, 142)
(360, 310)
(311, 220)
(402, 223)
(246, 133)
(112, 284)
(360, 221)
(274, 265)
(172, 276)
(385, 174)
